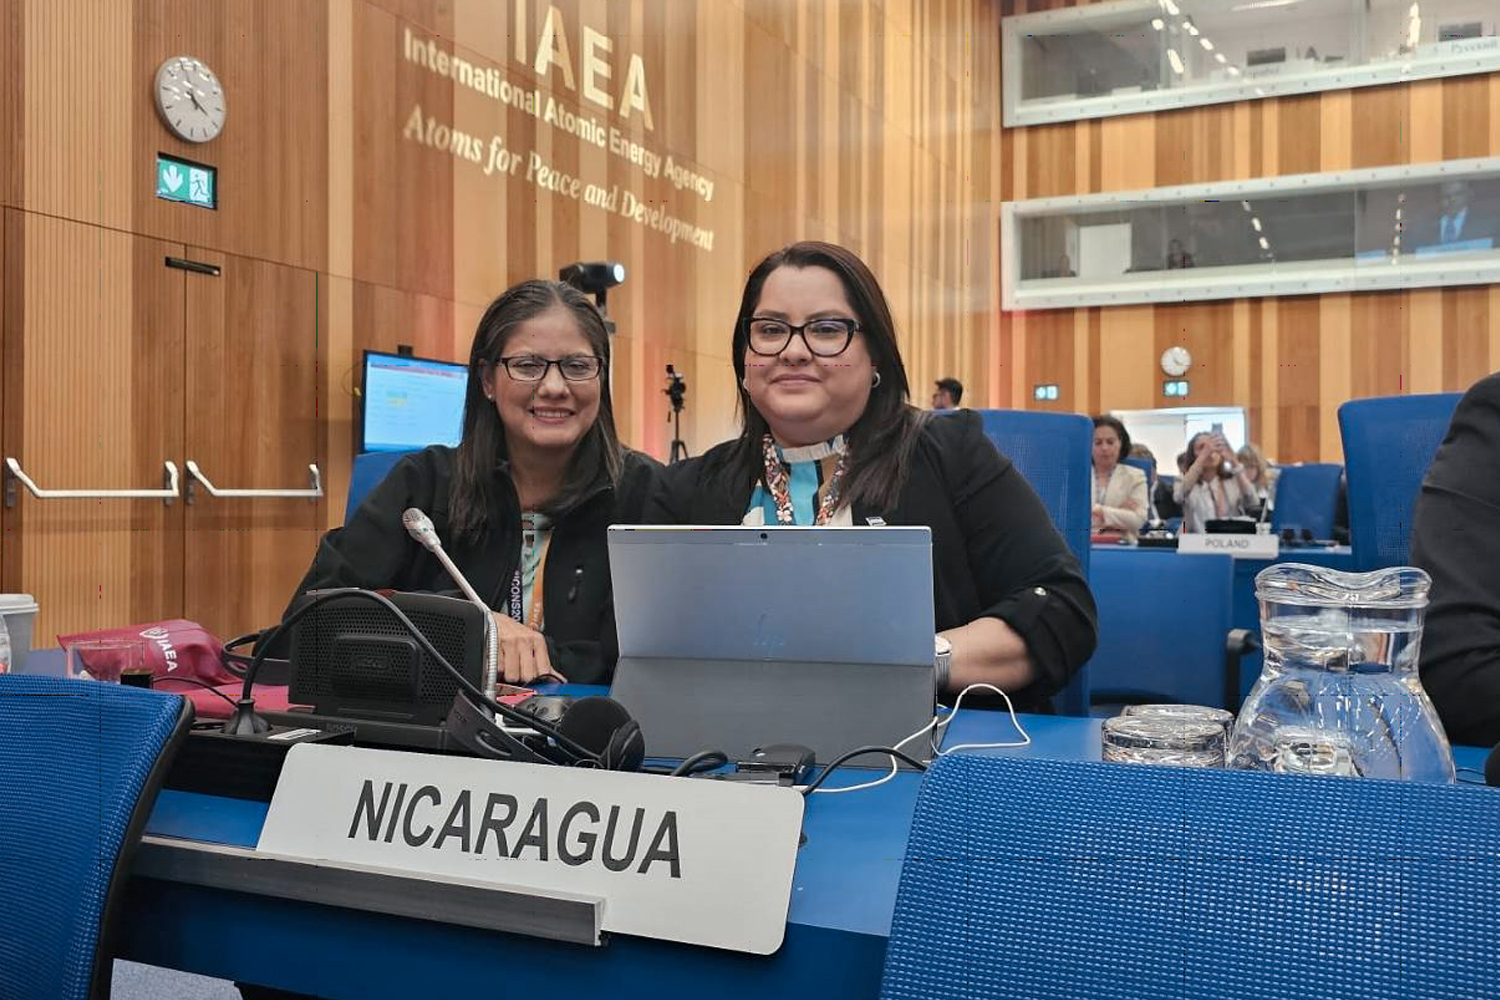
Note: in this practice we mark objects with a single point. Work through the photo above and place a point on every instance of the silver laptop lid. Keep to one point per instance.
(829, 594)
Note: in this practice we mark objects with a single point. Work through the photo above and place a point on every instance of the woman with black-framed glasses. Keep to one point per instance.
(830, 437)
(522, 504)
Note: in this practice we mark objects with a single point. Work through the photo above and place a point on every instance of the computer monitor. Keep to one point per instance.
(1453, 32)
(1263, 57)
(410, 402)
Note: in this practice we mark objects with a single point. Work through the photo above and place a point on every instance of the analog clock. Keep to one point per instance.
(1175, 361)
(190, 99)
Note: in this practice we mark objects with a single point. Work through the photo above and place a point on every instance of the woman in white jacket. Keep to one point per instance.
(1120, 498)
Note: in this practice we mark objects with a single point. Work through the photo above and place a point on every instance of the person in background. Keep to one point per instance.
(829, 437)
(1177, 257)
(1153, 481)
(1167, 505)
(522, 504)
(949, 391)
(1213, 486)
(1261, 474)
(1121, 501)
(1456, 538)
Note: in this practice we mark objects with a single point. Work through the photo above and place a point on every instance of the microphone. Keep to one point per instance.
(419, 526)
(1492, 767)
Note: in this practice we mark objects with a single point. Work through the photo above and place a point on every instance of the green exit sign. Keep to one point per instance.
(187, 182)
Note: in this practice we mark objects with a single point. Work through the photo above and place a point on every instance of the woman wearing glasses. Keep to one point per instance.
(829, 437)
(522, 504)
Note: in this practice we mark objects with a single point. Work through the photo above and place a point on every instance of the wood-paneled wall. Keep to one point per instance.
(874, 124)
(1289, 361)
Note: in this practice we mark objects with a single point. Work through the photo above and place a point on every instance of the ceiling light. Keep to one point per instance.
(1234, 71)
(1175, 60)
(1256, 223)
(1158, 23)
(1263, 4)
(1192, 28)
(1171, 7)
(1206, 44)
(1263, 244)
(1220, 56)
(1245, 205)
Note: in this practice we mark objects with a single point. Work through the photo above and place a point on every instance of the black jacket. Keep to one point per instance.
(374, 551)
(1456, 539)
(995, 551)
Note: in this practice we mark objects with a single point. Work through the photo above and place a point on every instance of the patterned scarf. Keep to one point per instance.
(777, 483)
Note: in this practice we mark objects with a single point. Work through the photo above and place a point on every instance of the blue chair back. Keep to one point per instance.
(1307, 496)
(1146, 465)
(1054, 451)
(1388, 444)
(1164, 620)
(369, 469)
(1027, 879)
(82, 763)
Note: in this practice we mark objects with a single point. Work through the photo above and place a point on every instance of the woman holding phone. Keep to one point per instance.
(1215, 485)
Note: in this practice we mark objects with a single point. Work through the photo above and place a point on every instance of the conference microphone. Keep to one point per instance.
(419, 526)
(599, 726)
(1492, 767)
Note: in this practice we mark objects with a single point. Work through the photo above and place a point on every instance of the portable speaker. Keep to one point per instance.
(350, 657)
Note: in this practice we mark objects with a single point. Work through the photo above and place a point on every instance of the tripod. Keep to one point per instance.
(676, 389)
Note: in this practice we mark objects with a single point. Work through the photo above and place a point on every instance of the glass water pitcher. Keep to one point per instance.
(1339, 692)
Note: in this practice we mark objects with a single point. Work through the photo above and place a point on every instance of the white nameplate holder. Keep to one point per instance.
(1239, 546)
(691, 860)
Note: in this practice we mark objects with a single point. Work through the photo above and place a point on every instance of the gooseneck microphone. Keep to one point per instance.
(419, 526)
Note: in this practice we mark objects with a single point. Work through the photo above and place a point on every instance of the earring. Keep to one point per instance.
(745, 383)
(875, 384)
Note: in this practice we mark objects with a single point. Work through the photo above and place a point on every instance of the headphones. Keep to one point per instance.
(600, 727)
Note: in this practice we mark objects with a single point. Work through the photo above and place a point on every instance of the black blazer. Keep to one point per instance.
(1456, 538)
(374, 551)
(995, 551)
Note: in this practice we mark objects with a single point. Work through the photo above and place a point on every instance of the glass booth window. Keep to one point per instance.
(1423, 226)
(1135, 55)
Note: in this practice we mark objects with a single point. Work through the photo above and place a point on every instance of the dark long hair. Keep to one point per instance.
(1114, 424)
(880, 442)
(483, 458)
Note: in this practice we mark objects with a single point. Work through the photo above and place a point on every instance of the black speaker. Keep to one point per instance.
(350, 657)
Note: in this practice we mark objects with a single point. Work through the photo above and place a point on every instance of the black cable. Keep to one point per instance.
(193, 680)
(703, 760)
(843, 758)
(521, 718)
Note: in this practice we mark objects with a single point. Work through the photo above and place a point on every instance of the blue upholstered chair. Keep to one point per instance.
(1307, 496)
(1388, 444)
(1027, 879)
(1166, 630)
(369, 469)
(82, 763)
(1054, 451)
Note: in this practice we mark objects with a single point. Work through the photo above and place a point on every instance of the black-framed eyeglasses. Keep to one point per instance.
(533, 367)
(827, 337)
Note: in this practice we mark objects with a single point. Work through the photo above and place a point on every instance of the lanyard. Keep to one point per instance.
(534, 617)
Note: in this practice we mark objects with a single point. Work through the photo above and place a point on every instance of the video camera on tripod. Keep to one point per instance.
(676, 389)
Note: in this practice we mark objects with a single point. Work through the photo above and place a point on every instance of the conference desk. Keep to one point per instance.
(843, 897)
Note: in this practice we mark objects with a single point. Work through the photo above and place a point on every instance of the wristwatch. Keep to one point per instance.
(942, 660)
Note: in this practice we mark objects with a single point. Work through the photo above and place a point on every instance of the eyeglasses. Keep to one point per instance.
(826, 338)
(532, 368)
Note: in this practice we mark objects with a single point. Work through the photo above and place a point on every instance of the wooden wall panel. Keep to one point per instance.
(94, 402)
(872, 124)
(253, 411)
(1288, 362)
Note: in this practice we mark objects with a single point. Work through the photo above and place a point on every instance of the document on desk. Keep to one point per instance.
(690, 860)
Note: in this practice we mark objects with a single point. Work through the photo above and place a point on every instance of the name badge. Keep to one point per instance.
(679, 859)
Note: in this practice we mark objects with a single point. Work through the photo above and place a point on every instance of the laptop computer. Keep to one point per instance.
(733, 638)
